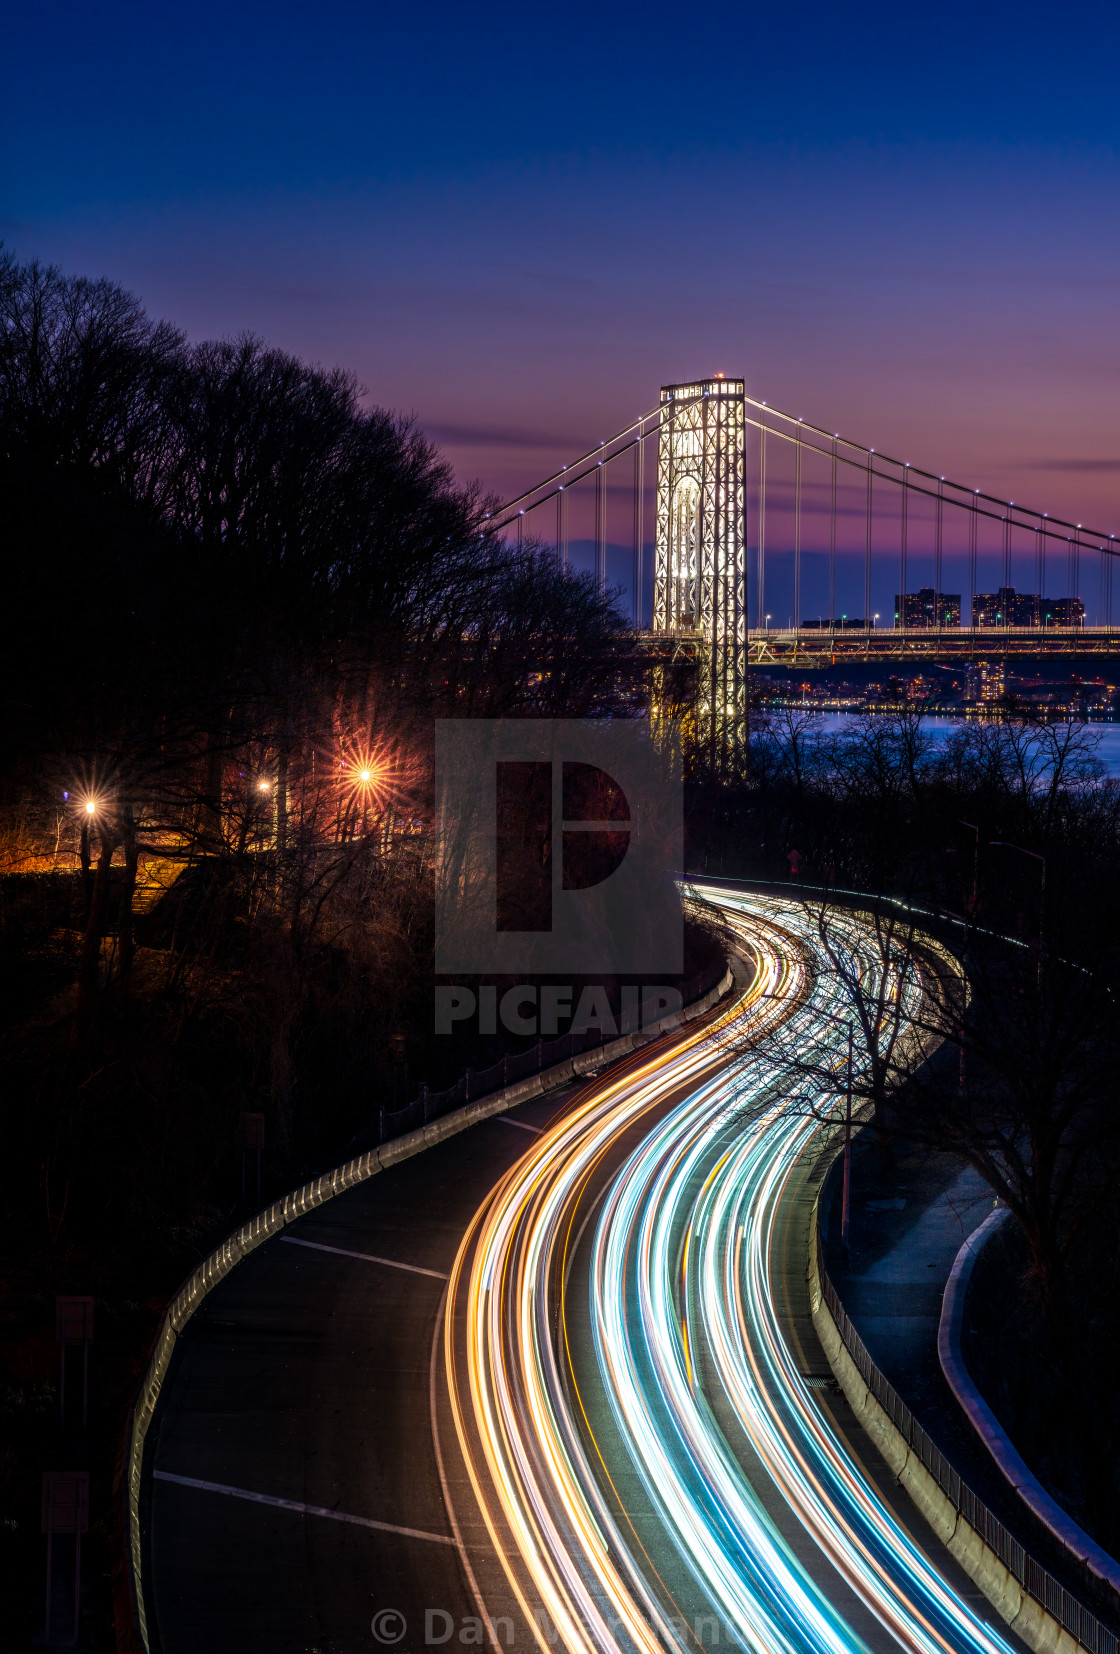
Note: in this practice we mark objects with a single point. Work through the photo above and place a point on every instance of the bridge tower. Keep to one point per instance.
(700, 581)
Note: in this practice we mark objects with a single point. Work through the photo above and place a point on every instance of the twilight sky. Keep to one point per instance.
(517, 222)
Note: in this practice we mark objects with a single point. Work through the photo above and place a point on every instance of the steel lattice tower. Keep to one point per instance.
(700, 554)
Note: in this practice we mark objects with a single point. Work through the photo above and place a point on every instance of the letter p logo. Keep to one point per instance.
(557, 847)
(595, 836)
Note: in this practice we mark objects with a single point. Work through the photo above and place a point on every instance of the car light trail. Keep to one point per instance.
(680, 1288)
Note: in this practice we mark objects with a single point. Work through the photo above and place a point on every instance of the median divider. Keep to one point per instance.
(292, 1206)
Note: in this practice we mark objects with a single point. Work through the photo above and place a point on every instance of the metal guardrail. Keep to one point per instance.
(479, 1082)
(1036, 1581)
(262, 1227)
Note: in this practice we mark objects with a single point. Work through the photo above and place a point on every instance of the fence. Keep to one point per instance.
(479, 1082)
(1078, 1620)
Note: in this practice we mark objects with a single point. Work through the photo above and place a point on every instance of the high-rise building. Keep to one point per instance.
(985, 681)
(1007, 607)
(927, 607)
(1061, 611)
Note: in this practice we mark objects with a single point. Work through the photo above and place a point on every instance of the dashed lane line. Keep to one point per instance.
(366, 1257)
(304, 1510)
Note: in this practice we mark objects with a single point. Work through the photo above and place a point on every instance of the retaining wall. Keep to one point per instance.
(1048, 1618)
(1082, 1549)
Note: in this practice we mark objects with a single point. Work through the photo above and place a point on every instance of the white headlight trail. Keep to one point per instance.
(680, 1270)
(721, 1187)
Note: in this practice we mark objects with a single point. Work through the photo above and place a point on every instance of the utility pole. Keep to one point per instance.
(1003, 844)
(975, 866)
(846, 1206)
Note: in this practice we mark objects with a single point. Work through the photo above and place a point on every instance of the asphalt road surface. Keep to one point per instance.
(605, 1442)
(305, 1383)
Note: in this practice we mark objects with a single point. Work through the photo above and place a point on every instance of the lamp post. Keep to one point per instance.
(1003, 844)
(975, 863)
(846, 1197)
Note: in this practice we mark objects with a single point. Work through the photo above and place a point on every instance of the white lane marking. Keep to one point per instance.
(505, 1120)
(305, 1510)
(366, 1257)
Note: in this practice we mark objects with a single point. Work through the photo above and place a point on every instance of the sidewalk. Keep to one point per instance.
(908, 1221)
(906, 1230)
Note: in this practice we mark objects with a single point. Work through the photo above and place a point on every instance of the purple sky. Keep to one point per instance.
(519, 231)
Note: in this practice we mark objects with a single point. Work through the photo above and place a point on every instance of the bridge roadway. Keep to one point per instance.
(316, 1484)
(815, 649)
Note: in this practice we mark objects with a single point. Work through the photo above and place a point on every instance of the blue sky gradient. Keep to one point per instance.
(518, 222)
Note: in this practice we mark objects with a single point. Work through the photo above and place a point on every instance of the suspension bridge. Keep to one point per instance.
(753, 538)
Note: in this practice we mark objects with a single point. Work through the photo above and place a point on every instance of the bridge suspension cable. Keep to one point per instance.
(769, 533)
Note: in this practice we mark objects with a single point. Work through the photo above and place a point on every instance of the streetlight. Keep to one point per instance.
(1003, 844)
(846, 1197)
(975, 861)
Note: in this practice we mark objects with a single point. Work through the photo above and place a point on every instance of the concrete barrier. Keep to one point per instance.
(316, 1193)
(1027, 1617)
(1082, 1549)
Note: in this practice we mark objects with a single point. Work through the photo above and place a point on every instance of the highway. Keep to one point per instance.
(547, 1384)
(687, 1477)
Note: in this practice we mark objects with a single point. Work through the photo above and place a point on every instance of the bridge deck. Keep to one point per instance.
(813, 648)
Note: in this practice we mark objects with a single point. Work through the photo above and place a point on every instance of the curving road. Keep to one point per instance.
(672, 1479)
(551, 1383)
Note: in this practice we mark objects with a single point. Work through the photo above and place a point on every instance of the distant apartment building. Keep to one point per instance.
(1061, 611)
(927, 607)
(1007, 607)
(985, 681)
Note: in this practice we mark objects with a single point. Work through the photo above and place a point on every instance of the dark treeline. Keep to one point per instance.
(240, 598)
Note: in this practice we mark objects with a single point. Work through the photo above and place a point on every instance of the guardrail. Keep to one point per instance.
(295, 1205)
(1036, 1581)
(479, 1082)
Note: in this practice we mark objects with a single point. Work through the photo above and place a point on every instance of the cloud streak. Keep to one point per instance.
(1079, 467)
